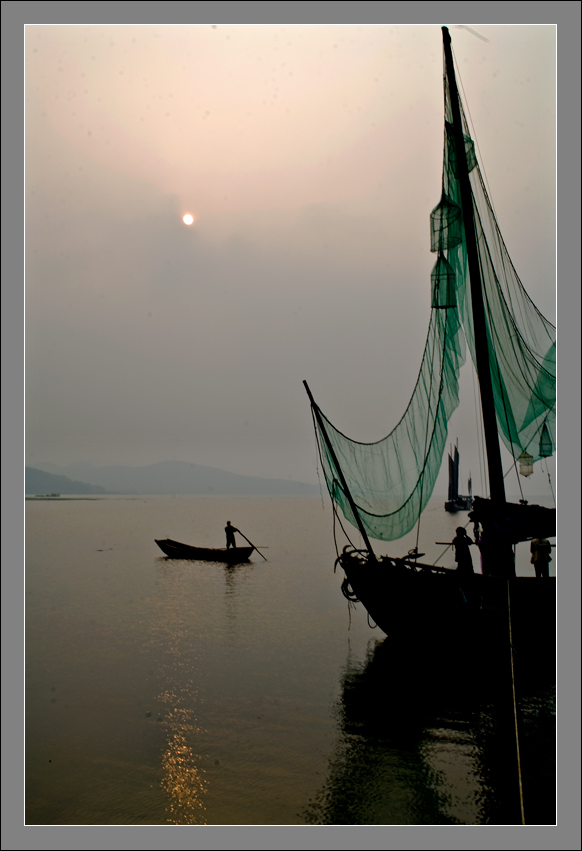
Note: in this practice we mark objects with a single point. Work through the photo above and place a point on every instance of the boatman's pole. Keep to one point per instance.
(343, 482)
(251, 543)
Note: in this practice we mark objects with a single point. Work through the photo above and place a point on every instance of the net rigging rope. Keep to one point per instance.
(511, 655)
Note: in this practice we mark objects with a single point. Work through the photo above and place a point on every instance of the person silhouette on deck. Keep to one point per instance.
(540, 549)
(230, 530)
(461, 543)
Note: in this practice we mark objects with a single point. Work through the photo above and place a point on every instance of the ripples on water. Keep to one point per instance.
(165, 692)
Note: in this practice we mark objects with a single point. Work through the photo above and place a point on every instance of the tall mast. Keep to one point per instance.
(495, 468)
(340, 473)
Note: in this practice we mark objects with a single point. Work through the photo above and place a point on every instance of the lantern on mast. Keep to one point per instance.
(525, 464)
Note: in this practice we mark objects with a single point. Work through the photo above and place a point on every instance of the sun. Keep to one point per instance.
(188, 219)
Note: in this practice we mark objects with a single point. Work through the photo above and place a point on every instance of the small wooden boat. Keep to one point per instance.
(234, 555)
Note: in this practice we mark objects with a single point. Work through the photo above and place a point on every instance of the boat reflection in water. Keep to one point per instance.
(423, 742)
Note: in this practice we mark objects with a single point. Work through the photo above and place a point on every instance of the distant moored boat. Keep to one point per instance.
(456, 502)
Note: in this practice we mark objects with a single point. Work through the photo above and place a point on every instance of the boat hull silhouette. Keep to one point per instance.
(234, 555)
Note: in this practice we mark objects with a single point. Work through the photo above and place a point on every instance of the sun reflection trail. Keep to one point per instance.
(183, 780)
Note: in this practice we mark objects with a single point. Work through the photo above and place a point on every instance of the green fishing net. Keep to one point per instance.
(392, 479)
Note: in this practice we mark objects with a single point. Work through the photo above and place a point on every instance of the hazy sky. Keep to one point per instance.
(310, 158)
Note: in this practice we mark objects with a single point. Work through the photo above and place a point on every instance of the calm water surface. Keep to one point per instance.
(172, 692)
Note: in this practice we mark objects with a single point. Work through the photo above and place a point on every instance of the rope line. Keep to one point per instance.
(515, 704)
(550, 481)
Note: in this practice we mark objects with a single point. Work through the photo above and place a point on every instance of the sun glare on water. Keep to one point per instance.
(188, 219)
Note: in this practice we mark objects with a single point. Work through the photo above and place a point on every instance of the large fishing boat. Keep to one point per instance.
(479, 304)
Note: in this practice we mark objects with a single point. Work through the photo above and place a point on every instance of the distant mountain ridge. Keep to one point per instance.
(175, 477)
(41, 482)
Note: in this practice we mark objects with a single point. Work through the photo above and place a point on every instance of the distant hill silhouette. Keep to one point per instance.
(41, 482)
(178, 477)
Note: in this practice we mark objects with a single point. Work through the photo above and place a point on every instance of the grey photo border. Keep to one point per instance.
(566, 16)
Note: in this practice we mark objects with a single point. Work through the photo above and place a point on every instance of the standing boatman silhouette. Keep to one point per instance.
(540, 549)
(461, 543)
(230, 530)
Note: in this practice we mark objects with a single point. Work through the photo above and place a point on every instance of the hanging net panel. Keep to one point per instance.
(391, 480)
(522, 342)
